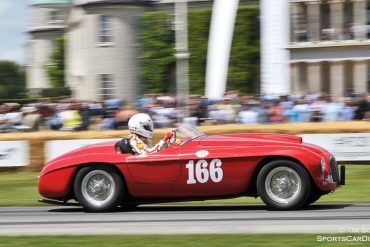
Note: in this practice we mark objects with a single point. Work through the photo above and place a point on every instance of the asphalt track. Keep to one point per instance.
(155, 219)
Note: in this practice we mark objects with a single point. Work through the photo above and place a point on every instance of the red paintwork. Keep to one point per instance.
(164, 174)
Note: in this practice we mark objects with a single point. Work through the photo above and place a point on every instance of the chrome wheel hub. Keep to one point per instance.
(98, 187)
(283, 185)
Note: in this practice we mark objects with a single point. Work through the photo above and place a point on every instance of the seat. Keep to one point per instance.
(124, 146)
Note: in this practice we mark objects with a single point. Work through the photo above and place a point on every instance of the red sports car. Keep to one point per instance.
(283, 171)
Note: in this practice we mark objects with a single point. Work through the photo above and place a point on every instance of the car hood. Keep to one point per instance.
(253, 139)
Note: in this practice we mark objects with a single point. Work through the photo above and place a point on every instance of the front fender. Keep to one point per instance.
(311, 161)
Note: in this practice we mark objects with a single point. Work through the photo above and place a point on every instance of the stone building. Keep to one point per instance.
(102, 44)
(103, 49)
(330, 46)
(320, 46)
(48, 20)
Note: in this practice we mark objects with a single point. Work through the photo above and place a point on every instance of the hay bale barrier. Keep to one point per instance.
(38, 139)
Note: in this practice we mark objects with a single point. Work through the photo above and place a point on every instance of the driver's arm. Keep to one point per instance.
(162, 144)
(143, 149)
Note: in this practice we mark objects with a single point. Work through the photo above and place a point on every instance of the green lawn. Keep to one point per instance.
(219, 240)
(20, 189)
(357, 188)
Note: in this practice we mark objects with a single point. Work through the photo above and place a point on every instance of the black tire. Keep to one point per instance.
(314, 196)
(98, 188)
(129, 206)
(283, 185)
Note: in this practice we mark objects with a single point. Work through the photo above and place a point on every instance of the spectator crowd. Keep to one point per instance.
(114, 114)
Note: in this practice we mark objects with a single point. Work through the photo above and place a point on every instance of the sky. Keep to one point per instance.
(14, 21)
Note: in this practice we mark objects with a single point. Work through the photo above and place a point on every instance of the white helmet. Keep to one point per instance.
(141, 124)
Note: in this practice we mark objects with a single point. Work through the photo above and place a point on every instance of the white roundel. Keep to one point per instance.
(202, 153)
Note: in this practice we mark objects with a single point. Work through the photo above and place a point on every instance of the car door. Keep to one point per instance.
(153, 175)
(212, 171)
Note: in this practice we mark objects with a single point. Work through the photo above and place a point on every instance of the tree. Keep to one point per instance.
(12, 80)
(158, 51)
(55, 66)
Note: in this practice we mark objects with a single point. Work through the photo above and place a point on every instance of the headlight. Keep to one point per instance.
(322, 165)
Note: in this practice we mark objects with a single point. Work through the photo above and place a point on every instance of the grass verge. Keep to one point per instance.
(20, 189)
(200, 240)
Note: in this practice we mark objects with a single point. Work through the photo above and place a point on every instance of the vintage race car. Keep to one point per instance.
(283, 171)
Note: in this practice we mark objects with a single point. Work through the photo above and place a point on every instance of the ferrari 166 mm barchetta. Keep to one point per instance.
(285, 172)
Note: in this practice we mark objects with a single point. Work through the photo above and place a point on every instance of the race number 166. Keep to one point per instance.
(201, 172)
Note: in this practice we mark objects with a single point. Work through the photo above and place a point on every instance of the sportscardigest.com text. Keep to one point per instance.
(353, 229)
(347, 238)
(359, 234)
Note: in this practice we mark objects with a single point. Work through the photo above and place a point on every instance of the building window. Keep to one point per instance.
(30, 53)
(56, 16)
(107, 88)
(368, 77)
(368, 19)
(105, 29)
(368, 13)
(299, 22)
(327, 32)
(349, 25)
(325, 77)
(348, 78)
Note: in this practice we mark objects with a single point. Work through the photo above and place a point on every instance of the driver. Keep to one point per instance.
(141, 128)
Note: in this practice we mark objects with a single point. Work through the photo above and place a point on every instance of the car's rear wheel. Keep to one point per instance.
(98, 188)
(283, 185)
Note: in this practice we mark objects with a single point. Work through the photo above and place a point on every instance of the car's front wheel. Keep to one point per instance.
(314, 196)
(283, 185)
(98, 188)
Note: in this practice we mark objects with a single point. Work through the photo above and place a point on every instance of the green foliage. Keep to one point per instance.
(55, 66)
(55, 92)
(24, 101)
(198, 29)
(158, 45)
(12, 80)
(158, 49)
(244, 66)
(245, 52)
(21, 101)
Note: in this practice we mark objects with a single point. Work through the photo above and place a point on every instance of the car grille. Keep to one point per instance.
(334, 169)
